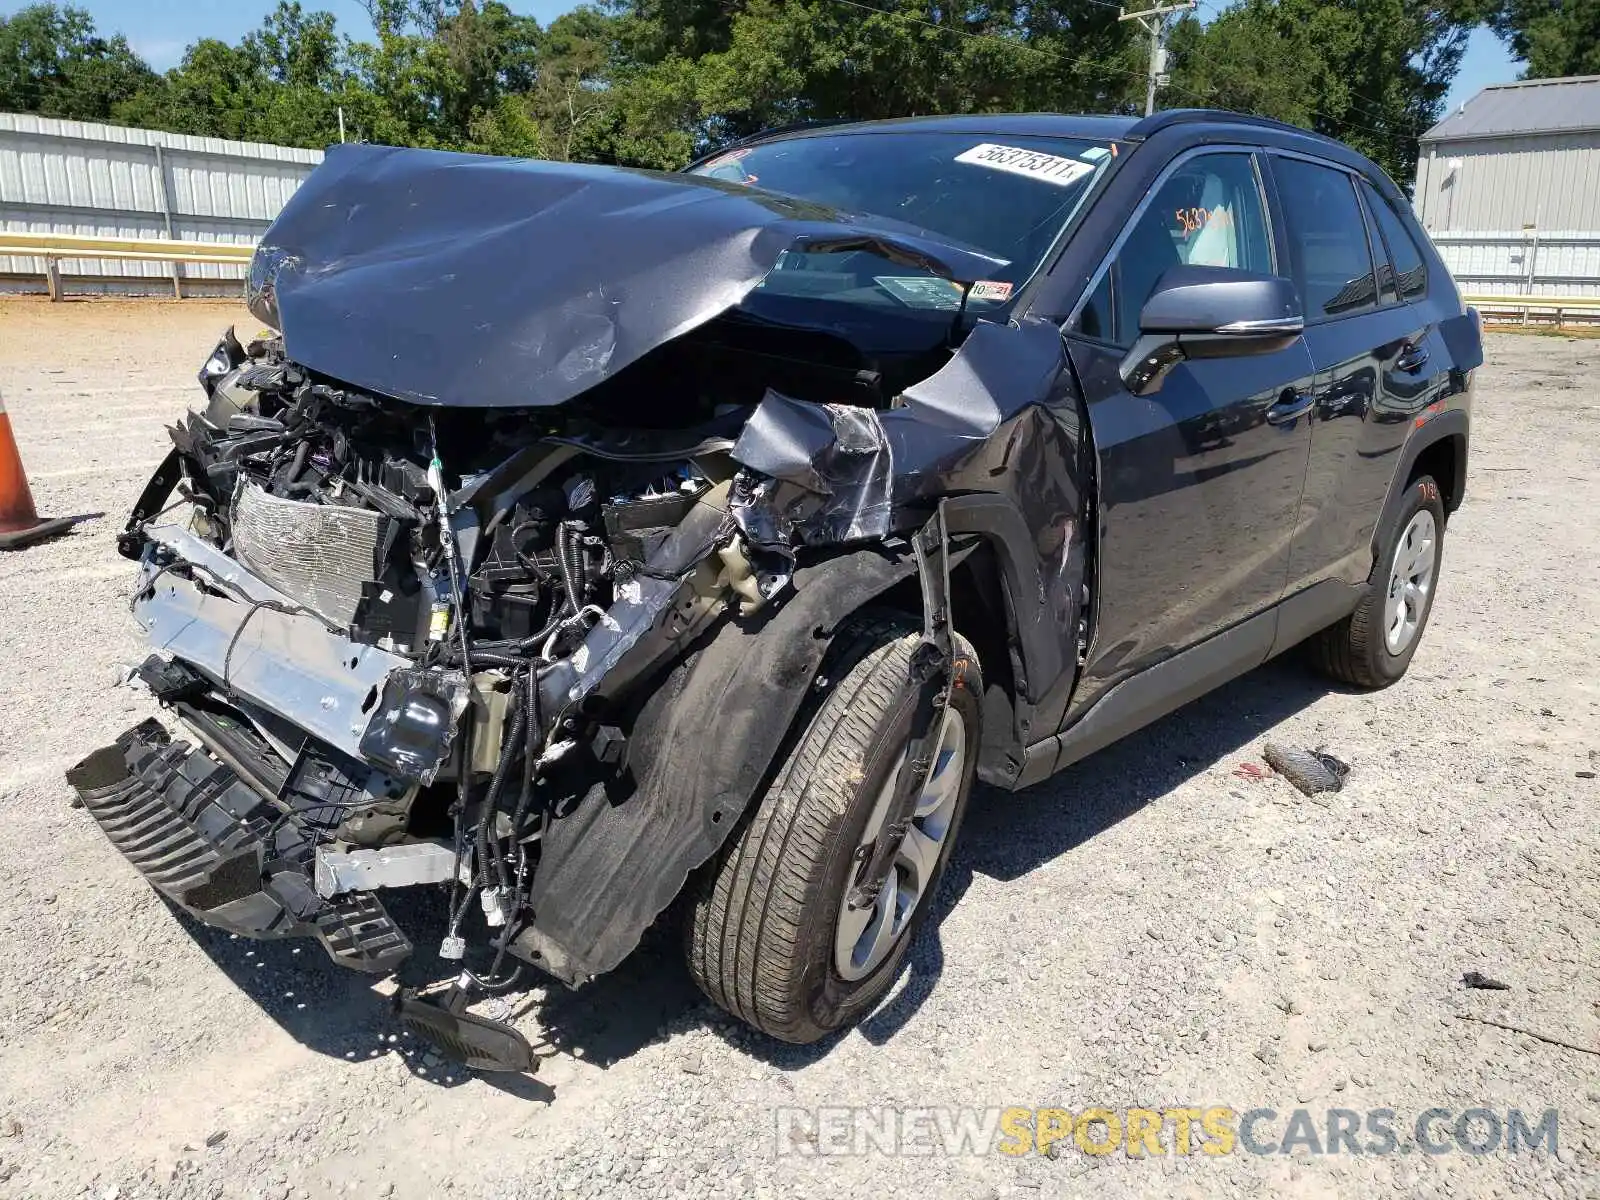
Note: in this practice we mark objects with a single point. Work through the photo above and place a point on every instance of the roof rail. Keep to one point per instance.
(1189, 116)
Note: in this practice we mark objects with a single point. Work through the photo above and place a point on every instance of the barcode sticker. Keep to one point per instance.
(1014, 160)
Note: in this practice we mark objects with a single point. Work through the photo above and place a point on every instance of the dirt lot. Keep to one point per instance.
(1151, 929)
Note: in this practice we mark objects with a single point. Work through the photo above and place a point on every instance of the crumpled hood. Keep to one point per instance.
(464, 280)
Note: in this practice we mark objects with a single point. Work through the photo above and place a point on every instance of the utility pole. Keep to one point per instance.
(1154, 22)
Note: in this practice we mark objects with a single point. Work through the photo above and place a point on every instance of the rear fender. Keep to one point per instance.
(1452, 424)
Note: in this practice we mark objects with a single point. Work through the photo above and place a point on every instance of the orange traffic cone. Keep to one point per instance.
(19, 522)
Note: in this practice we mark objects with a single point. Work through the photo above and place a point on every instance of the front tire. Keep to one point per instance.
(1373, 646)
(769, 921)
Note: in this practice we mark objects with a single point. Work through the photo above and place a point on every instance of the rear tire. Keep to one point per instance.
(1373, 646)
(764, 920)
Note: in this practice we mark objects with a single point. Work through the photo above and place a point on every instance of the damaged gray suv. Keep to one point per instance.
(596, 546)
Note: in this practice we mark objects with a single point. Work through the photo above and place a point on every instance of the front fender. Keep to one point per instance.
(699, 749)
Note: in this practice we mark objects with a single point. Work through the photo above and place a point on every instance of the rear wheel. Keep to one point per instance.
(1372, 647)
(773, 935)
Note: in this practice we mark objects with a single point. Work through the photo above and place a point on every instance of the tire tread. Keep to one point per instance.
(749, 911)
(1349, 649)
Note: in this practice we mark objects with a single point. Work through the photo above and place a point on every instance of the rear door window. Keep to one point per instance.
(1410, 275)
(1386, 287)
(1329, 237)
(1209, 212)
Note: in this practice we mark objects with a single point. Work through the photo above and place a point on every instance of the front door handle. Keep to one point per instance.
(1291, 406)
(1413, 357)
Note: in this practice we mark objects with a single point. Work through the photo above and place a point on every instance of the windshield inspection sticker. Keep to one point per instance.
(990, 289)
(1014, 160)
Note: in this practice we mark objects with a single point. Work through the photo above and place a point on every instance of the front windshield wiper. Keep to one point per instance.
(953, 336)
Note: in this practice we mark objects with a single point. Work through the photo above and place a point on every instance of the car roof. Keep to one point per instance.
(1088, 126)
(1095, 127)
(1205, 122)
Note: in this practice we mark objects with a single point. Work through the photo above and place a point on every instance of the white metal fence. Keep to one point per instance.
(74, 177)
(1525, 262)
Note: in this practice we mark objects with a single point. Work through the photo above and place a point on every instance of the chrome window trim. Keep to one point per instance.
(1270, 325)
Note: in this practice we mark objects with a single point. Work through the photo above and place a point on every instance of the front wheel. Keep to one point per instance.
(781, 931)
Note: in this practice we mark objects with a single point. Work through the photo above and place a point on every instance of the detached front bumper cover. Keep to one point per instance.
(209, 843)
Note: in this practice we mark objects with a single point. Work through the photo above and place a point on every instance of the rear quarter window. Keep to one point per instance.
(1410, 272)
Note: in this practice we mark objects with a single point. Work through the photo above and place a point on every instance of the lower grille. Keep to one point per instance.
(320, 555)
(168, 811)
(207, 841)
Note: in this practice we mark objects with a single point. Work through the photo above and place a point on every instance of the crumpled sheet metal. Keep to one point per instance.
(461, 279)
(841, 473)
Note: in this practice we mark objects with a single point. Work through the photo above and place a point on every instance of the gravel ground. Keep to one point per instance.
(1151, 928)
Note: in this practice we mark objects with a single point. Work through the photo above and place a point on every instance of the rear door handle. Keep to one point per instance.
(1413, 357)
(1291, 406)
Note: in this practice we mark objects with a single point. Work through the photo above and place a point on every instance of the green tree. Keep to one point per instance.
(53, 63)
(684, 86)
(1373, 73)
(1554, 37)
(440, 66)
(656, 82)
(282, 83)
(297, 49)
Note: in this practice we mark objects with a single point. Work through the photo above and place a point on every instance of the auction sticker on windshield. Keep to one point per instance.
(921, 291)
(1049, 168)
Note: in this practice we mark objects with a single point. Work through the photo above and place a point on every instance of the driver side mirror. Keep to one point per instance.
(1210, 312)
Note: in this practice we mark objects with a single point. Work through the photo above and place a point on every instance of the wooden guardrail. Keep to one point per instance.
(53, 247)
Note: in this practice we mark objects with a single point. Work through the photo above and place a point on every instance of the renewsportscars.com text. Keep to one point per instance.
(1208, 1130)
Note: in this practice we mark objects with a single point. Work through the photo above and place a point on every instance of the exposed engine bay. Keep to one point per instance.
(540, 641)
(489, 560)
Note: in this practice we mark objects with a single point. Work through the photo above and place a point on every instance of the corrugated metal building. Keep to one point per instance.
(82, 178)
(1515, 154)
(1508, 186)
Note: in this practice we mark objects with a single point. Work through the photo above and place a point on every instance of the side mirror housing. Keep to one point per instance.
(1210, 312)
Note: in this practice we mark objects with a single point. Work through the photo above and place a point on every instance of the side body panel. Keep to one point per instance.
(1366, 407)
(1375, 415)
(1198, 496)
(1378, 371)
(1197, 484)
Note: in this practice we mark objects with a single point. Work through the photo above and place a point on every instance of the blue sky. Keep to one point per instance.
(160, 29)
(1487, 61)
